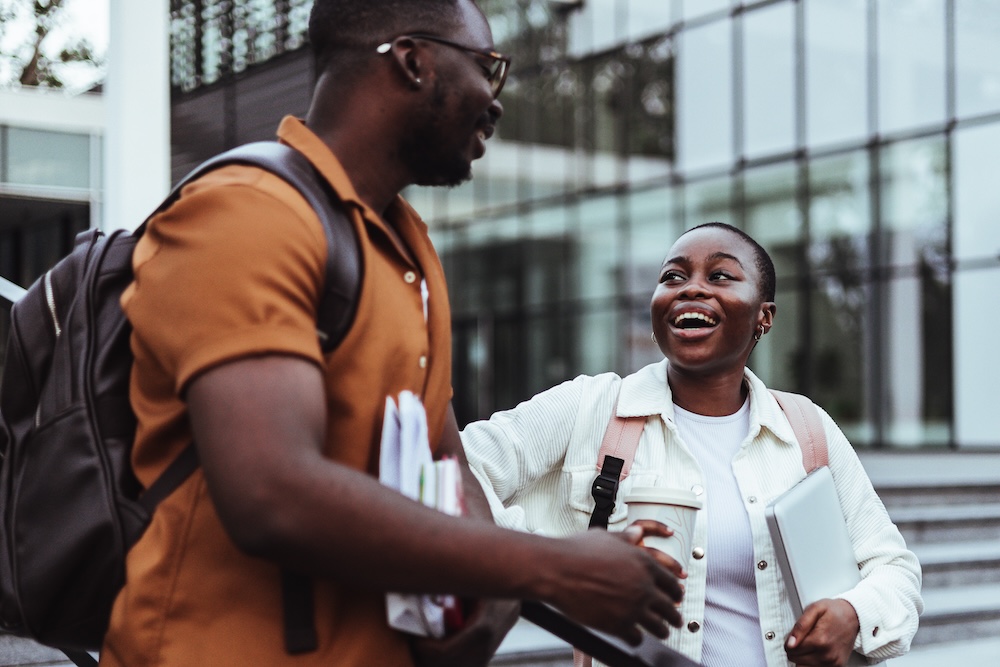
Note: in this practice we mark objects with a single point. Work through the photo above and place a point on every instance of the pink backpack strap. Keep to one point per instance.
(621, 439)
(614, 460)
(807, 426)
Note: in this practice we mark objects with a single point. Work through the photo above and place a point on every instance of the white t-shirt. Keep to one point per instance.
(731, 618)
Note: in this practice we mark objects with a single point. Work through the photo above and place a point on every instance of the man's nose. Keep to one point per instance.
(495, 111)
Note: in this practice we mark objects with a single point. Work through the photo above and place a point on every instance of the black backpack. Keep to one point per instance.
(70, 506)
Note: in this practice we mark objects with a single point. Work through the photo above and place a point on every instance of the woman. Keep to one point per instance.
(711, 426)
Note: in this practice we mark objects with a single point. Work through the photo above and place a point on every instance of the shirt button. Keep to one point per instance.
(422, 362)
(694, 626)
(698, 489)
(769, 636)
(410, 277)
(752, 499)
(762, 565)
(698, 553)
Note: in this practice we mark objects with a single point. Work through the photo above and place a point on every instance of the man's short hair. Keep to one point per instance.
(340, 28)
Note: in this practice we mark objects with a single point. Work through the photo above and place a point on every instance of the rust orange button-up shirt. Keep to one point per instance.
(235, 268)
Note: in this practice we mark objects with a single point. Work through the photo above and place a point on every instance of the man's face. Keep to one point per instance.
(448, 130)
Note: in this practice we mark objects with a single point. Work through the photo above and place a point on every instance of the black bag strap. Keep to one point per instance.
(337, 307)
(339, 301)
(79, 658)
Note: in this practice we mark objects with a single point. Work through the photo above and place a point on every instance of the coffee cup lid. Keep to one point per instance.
(663, 494)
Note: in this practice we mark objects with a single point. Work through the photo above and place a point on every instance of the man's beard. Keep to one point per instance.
(430, 149)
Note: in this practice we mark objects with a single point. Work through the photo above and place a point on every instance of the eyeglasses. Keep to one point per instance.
(496, 70)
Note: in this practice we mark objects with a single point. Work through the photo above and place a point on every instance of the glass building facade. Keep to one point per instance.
(855, 139)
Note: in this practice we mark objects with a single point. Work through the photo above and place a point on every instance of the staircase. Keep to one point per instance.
(947, 506)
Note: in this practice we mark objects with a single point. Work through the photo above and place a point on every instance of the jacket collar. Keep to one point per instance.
(646, 392)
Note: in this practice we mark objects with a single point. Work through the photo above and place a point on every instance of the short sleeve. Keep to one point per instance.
(233, 269)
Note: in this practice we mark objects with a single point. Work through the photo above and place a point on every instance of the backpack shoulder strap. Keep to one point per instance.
(807, 426)
(614, 460)
(337, 307)
(343, 261)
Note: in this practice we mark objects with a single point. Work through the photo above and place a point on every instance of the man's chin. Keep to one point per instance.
(449, 180)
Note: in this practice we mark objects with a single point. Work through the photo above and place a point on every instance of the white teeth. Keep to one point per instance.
(692, 315)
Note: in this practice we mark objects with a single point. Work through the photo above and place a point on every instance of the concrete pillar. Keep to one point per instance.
(137, 94)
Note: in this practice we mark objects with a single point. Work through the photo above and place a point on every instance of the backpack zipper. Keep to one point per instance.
(50, 300)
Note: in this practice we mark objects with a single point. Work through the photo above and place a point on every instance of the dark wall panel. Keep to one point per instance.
(243, 108)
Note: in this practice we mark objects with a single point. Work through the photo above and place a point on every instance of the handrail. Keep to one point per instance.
(12, 292)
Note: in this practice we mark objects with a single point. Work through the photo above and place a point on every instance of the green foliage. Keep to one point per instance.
(39, 47)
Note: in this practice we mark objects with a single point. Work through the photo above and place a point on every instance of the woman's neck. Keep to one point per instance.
(716, 395)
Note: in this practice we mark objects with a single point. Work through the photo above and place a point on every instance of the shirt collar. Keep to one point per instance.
(646, 393)
(294, 132)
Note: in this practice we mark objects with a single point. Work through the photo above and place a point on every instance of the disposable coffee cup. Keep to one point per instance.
(675, 508)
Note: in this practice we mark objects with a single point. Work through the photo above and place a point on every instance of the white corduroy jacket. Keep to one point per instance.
(537, 463)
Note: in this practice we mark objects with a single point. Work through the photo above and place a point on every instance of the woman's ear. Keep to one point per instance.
(767, 312)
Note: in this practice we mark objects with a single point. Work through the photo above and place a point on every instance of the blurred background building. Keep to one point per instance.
(854, 138)
(857, 140)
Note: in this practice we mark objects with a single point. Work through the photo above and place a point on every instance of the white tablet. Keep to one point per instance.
(812, 543)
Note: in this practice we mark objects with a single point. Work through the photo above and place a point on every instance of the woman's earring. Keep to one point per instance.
(760, 333)
(652, 337)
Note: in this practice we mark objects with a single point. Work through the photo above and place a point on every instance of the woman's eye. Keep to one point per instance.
(720, 275)
(671, 277)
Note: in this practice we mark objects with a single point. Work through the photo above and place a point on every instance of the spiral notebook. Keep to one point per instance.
(812, 543)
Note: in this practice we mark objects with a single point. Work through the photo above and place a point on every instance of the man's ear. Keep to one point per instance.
(408, 59)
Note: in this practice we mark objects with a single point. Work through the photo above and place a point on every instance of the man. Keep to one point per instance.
(224, 310)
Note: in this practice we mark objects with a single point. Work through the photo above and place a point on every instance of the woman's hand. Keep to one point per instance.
(824, 634)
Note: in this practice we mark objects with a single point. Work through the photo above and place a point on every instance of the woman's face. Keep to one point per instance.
(707, 306)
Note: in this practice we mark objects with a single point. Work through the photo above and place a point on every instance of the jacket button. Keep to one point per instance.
(769, 636)
(698, 489)
(752, 499)
(762, 565)
(698, 553)
(422, 362)
(410, 277)
(875, 631)
(694, 626)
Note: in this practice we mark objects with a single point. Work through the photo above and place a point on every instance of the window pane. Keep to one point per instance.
(654, 228)
(708, 201)
(841, 367)
(911, 63)
(705, 96)
(977, 54)
(976, 317)
(774, 221)
(915, 303)
(836, 54)
(37, 157)
(769, 92)
(694, 8)
(597, 249)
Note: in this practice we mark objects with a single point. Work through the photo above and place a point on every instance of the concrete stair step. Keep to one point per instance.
(983, 652)
(969, 611)
(959, 563)
(943, 523)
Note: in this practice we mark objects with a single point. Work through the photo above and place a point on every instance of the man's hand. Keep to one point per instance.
(475, 644)
(618, 587)
(824, 634)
